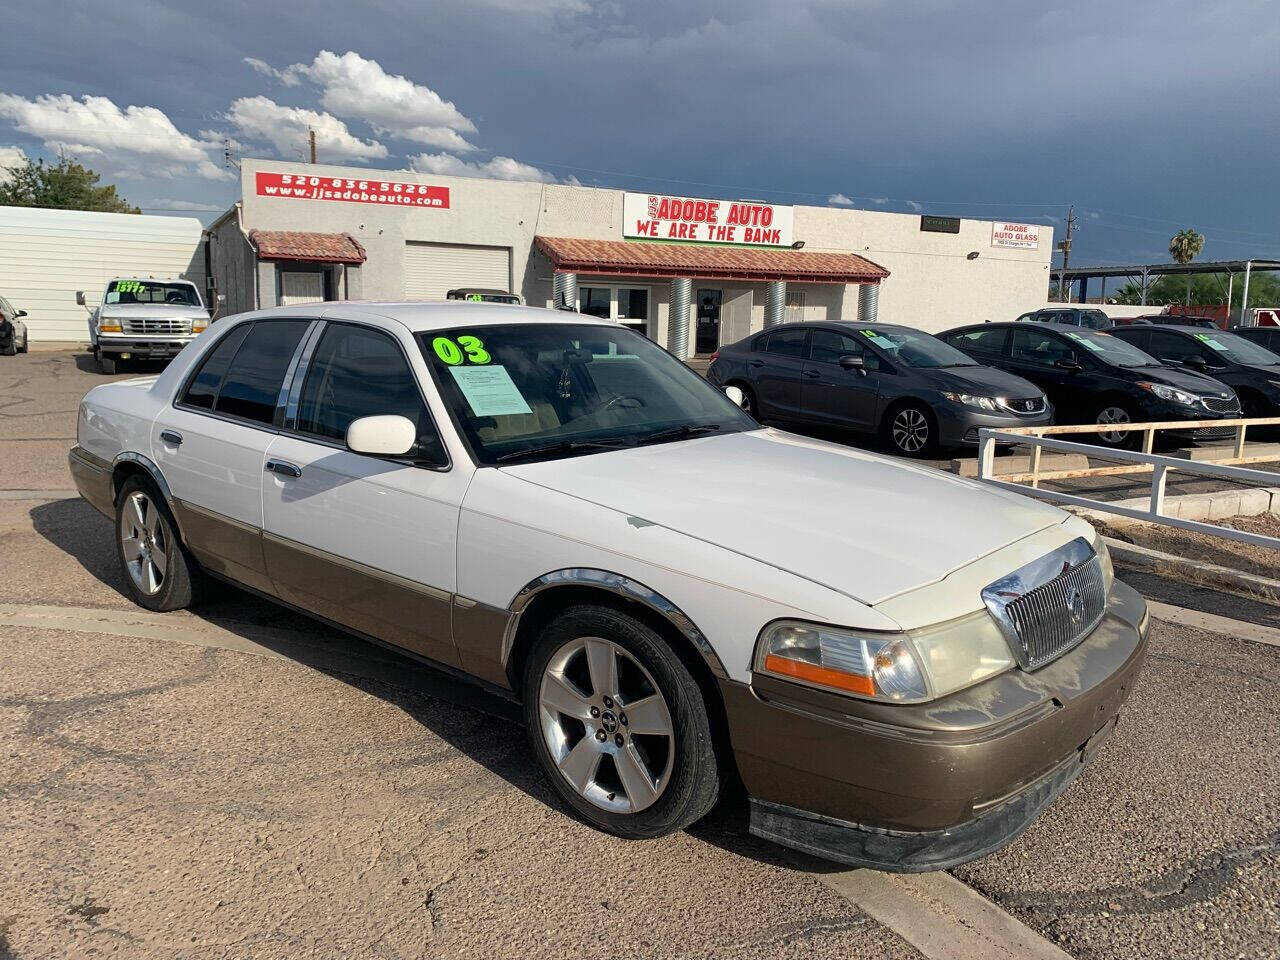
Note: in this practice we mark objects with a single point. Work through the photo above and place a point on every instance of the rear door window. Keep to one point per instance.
(251, 387)
(784, 343)
(203, 388)
(988, 342)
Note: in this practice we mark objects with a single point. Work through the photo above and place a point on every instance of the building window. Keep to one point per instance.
(628, 306)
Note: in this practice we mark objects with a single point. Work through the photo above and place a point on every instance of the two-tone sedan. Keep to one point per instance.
(902, 667)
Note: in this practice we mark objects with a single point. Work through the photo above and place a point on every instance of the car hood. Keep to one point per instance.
(131, 310)
(1183, 380)
(867, 526)
(982, 381)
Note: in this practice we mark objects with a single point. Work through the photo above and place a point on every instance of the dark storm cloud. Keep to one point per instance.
(1164, 110)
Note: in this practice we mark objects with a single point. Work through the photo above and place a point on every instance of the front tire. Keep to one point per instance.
(26, 342)
(912, 430)
(619, 724)
(1116, 413)
(158, 572)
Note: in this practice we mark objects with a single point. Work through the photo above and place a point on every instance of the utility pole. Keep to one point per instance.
(1065, 246)
(311, 134)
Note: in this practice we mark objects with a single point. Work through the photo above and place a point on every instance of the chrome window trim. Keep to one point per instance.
(997, 596)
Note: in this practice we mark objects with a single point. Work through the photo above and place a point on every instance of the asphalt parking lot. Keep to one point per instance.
(239, 781)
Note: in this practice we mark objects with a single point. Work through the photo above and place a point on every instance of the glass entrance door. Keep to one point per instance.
(707, 338)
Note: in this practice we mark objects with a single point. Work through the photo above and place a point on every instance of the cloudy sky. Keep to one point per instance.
(1147, 116)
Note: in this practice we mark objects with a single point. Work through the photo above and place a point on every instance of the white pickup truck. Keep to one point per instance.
(144, 319)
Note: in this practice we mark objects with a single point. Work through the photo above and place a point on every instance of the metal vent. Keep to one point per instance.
(1051, 604)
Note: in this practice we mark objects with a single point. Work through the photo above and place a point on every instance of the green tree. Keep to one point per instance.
(1185, 246)
(1207, 289)
(65, 185)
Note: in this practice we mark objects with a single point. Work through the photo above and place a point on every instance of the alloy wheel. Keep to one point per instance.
(1109, 415)
(144, 541)
(606, 725)
(910, 430)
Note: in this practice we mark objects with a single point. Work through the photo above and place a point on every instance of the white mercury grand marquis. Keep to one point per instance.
(902, 668)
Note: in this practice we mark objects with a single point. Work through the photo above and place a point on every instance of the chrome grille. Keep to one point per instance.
(1220, 405)
(155, 325)
(1050, 605)
(1027, 405)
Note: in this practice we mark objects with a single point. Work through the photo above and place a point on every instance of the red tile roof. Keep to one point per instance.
(639, 259)
(312, 247)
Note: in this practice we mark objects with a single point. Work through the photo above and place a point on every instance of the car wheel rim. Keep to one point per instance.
(910, 431)
(1114, 415)
(606, 725)
(144, 543)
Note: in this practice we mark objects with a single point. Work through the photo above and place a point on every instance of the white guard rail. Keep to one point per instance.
(1132, 462)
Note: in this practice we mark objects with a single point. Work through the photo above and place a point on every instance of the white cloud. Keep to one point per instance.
(499, 168)
(133, 142)
(839, 200)
(192, 205)
(395, 106)
(880, 201)
(285, 128)
(917, 207)
(10, 157)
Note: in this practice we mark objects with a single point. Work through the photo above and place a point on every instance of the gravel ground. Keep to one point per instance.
(1191, 545)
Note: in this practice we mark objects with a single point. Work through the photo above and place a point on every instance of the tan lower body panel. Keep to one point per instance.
(224, 546)
(380, 604)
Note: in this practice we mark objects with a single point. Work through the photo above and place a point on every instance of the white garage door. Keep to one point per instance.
(433, 269)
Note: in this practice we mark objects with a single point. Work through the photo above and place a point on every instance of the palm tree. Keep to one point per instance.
(1184, 246)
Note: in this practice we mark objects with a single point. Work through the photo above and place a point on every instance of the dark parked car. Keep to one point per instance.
(1266, 337)
(1093, 376)
(1071, 316)
(903, 383)
(1252, 371)
(1169, 319)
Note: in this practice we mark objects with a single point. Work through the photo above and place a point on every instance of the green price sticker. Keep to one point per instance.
(475, 297)
(129, 286)
(465, 347)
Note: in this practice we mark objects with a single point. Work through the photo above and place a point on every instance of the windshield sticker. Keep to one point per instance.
(453, 353)
(1211, 343)
(489, 390)
(883, 342)
(129, 286)
(1086, 342)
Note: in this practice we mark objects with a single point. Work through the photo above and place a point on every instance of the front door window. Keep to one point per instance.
(708, 331)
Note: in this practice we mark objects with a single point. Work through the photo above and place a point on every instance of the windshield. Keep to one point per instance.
(538, 391)
(1112, 350)
(914, 348)
(1094, 319)
(1237, 349)
(152, 291)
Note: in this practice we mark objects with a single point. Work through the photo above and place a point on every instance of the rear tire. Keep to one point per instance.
(588, 668)
(1117, 412)
(158, 571)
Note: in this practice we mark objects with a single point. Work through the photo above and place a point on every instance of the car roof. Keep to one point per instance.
(420, 315)
(1060, 327)
(838, 324)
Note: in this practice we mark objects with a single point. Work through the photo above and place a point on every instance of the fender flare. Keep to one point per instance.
(149, 467)
(618, 585)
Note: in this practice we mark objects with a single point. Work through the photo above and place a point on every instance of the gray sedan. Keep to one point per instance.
(916, 391)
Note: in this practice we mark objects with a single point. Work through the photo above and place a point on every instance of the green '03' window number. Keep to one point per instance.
(452, 352)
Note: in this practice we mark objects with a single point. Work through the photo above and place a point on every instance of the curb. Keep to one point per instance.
(1209, 574)
(1223, 505)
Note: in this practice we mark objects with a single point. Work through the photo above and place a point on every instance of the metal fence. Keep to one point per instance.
(1040, 439)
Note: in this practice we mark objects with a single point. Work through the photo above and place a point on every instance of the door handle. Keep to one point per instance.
(282, 469)
(756, 363)
(812, 373)
(171, 436)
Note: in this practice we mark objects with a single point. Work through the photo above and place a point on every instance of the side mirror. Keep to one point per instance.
(1071, 366)
(80, 297)
(384, 436)
(852, 362)
(736, 395)
(21, 313)
(1196, 363)
(222, 298)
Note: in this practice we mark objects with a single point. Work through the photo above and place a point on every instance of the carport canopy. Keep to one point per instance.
(300, 246)
(627, 258)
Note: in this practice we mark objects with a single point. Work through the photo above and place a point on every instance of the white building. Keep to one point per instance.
(47, 255)
(729, 267)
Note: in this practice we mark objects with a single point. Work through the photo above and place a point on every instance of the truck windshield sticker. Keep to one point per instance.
(465, 347)
(489, 390)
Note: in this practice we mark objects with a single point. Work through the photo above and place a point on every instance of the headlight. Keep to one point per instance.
(898, 667)
(1104, 561)
(1165, 392)
(969, 400)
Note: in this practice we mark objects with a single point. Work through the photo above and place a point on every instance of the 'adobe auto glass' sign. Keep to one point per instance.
(651, 216)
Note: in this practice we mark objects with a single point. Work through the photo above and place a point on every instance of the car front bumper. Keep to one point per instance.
(910, 788)
(142, 346)
(959, 425)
